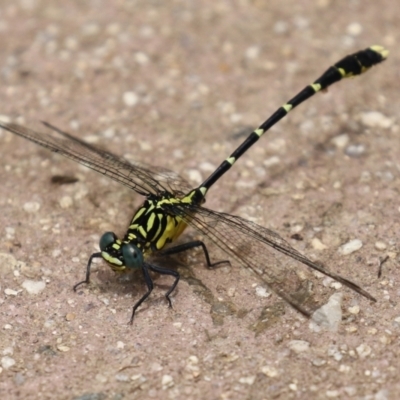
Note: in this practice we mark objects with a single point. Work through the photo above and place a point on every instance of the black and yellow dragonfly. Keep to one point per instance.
(171, 205)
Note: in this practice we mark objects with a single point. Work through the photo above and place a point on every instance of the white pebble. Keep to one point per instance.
(299, 346)
(354, 29)
(63, 348)
(363, 350)
(350, 247)
(56, 253)
(332, 394)
(262, 292)
(122, 378)
(248, 380)
(11, 292)
(10, 232)
(66, 202)
(31, 206)
(354, 310)
(271, 161)
(318, 245)
(33, 287)
(380, 245)
(8, 262)
(130, 99)
(341, 141)
(375, 119)
(5, 118)
(280, 27)
(252, 52)
(141, 58)
(195, 175)
(193, 360)
(7, 362)
(167, 381)
(355, 150)
(269, 371)
(329, 315)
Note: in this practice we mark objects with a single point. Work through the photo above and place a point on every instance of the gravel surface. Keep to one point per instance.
(179, 84)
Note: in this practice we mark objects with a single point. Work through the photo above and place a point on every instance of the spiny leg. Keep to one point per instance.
(89, 265)
(191, 245)
(149, 283)
(165, 271)
(150, 286)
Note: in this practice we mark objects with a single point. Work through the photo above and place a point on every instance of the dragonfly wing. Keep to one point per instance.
(141, 178)
(268, 255)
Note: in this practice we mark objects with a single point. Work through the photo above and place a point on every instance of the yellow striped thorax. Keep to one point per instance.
(155, 224)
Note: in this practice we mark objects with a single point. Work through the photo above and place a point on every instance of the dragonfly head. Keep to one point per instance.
(121, 256)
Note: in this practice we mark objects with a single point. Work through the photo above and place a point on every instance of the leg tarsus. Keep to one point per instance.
(149, 284)
(88, 267)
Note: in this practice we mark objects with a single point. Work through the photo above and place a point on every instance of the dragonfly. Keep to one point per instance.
(171, 205)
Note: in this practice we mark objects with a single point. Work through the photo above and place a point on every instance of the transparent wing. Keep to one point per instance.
(141, 178)
(268, 255)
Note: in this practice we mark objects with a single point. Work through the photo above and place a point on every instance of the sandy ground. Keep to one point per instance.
(177, 83)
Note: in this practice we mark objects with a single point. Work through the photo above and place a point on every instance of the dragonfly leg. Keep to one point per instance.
(191, 245)
(89, 265)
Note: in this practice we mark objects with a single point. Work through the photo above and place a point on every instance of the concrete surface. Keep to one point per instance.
(175, 83)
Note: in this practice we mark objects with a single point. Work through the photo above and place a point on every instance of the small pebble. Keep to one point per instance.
(33, 287)
(318, 245)
(299, 346)
(248, 380)
(355, 150)
(329, 315)
(354, 29)
(7, 362)
(101, 378)
(195, 175)
(31, 207)
(141, 58)
(375, 119)
(293, 386)
(262, 292)
(167, 381)
(380, 245)
(252, 52)
(341, 141)
(332, 393)
(271, 161)
(354, 310)
(130, 99)
(66, 202)
(318, 362)
(269, 371)
(363, 350)
(156, 367)
(11, 292)
(350, 247)
(63, 348)
(70, 316)
(350, 390)
(122, 378)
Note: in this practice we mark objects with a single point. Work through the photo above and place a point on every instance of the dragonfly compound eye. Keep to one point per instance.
(133, 257)
(107, 240)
